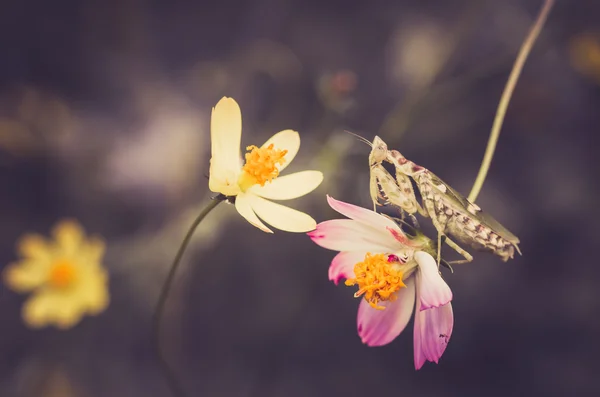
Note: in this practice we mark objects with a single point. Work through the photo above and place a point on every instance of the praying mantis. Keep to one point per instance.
(451, 213)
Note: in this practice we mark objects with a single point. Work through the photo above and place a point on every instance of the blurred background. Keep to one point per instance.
(104, 116)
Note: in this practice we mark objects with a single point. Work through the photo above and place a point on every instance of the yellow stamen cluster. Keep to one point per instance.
(62, 274)
(377, 279)
(261, 165)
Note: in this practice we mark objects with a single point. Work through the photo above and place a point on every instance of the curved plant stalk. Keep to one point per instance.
(506, 95)
(174, 385)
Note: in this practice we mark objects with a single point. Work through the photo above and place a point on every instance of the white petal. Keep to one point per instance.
(285, 140)
(244, 207)
(224, 181)
(350, 235)
(226, 131)
(342, 266)
(280, 216)
(289, 186)
(225, 136)
(433, 290)
(369, 218)
(380, 327)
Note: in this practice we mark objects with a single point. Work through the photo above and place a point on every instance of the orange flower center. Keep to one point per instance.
(62, 274)
(378, 278)
(261, 165)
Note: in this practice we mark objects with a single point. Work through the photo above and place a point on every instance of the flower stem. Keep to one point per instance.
(174, 385)
(506, 95)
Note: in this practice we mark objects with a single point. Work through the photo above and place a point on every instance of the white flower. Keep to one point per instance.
(255, 182)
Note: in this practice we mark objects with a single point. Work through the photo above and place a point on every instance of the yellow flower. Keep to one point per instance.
(256, 181)
(65, 277)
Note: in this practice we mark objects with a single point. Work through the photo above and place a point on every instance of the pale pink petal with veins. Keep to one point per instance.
(349, 235)
(433, 290)
(363, 215)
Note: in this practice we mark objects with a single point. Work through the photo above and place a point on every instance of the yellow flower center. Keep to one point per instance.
(378, 278)
(62, 274)
(261, 166)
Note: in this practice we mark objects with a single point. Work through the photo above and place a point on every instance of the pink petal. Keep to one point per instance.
(363, 215)
(432, 332)
(349, 235)
(418, 350)
(380, 327)
(432, 289)
(342, 266)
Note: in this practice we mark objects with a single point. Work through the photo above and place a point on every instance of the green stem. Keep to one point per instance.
(506, 95)
(174, 385)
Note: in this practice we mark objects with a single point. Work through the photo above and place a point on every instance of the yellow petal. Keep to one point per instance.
(51, 307)
(289, 186)
(242, 205)
(68, 314)
(225, 136)
(92, 292)
(36, 310)
(92, 251)
(34, 246)
(26, 275)
(285, 140)
(69, 235)
(97, 299)
(280, 216)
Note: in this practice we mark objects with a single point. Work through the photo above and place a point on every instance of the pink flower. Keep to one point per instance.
(393, 273)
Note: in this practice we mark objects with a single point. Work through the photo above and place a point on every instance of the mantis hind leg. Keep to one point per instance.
(442, 238)
(447, 265)
(440, 221)
(468, 257)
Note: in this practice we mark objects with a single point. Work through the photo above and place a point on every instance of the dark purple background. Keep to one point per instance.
(255, 314)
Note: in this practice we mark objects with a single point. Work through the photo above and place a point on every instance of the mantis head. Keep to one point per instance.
(379, 151)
